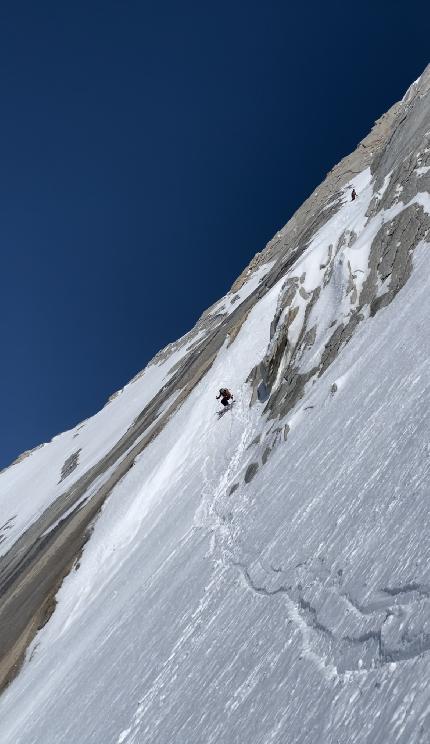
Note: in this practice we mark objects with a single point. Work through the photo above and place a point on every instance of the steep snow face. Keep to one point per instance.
(50, 467)
(260, 576)
(58, 465)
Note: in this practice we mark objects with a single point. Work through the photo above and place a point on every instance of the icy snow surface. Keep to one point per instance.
(186, 621)
(260, 577)
(93, 438)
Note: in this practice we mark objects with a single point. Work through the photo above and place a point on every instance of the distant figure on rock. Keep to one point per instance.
(225, 395)
(353, 194)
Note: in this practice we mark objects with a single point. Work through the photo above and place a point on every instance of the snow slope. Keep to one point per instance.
(263, 576)
(92, 438)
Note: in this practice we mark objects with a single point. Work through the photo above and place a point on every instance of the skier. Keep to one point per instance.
(225, 395)
(353, 194)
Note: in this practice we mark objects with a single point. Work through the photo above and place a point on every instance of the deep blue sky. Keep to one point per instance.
(148, 150)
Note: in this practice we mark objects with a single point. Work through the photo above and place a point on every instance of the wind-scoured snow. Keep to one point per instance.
(263, 576)
(185, 617)
(40, 472)
(106, 610)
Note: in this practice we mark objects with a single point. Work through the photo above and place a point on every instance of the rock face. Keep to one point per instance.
(262, 577)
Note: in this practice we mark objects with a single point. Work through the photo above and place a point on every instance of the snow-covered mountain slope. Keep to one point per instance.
(263, 576)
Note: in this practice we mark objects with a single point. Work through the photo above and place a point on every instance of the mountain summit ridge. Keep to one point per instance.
(261, 577)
